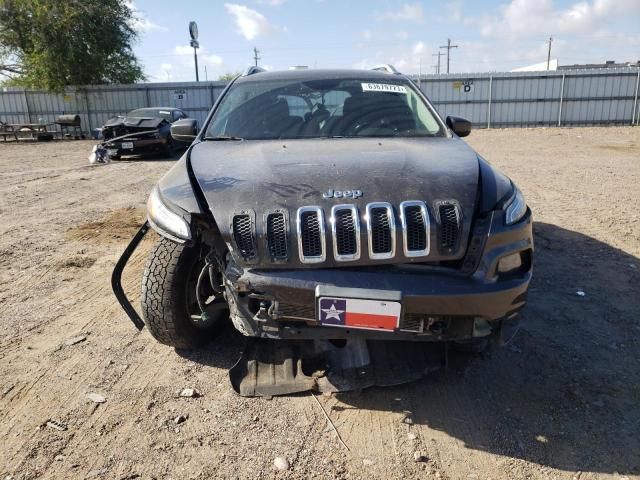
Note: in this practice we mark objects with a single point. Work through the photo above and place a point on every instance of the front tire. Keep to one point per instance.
(168, 289)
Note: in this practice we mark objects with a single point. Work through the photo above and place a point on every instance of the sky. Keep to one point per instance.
(492, 35)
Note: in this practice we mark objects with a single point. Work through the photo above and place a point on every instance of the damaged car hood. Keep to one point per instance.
(135, 122)
(262, 176)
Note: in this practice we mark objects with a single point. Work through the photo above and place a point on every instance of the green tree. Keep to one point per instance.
(54, 43)
(227, 77)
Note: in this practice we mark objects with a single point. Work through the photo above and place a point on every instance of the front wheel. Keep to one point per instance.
(169, 302)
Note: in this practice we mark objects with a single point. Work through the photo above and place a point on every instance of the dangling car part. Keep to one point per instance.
(333, 205)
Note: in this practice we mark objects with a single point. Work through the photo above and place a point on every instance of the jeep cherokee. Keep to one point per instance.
(332, 204)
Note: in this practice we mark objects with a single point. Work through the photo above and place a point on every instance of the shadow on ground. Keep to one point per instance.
(565, 394)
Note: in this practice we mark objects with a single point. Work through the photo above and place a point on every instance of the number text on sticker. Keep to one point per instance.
(383, 87)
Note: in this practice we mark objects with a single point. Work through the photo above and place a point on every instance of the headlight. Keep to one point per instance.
(516, 208)
(167, 222)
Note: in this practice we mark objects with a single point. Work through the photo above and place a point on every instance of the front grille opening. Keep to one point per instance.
(277, 236)
(243, 236)
(296, 312)
(310, 234)
(449, 226)
(345, 224)
(416, 228)
(380, 230)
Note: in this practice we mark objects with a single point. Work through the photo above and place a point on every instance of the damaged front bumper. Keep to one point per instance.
(436, 304)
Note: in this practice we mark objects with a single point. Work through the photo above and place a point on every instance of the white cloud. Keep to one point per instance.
(203, 55)
(250, 23)
(139, 21)
(407, 12)
(542, 17)
(271, 3)
(213, 60)
(402, 35)
(419, 48)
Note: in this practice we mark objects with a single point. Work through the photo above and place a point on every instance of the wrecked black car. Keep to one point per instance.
(142, 131)
(333, 206)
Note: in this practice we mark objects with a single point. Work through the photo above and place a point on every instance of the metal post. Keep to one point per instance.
(489, 106)
(635, 102)
(87, 109)
(561, 98)
(26, 104)
(195, 60)
(147, 96)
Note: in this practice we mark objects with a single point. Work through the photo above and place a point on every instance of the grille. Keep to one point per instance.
(381, 230)
(311, 241)
(346, 232)
(243, 235)
(415, 228)
(289, 310)
(277, 236)
(449, 226)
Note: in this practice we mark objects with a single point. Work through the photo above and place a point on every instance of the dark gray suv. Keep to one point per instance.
(332, 204)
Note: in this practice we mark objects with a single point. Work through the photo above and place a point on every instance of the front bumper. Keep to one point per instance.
(138, 146)
(437, 304)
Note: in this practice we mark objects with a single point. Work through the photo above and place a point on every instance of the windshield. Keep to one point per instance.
(150, 112)
(257, 110)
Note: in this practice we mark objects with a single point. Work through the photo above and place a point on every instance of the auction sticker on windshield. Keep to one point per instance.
(383, 87)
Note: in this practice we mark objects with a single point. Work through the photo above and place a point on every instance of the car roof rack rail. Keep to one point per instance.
(386, 68)
(251, 70)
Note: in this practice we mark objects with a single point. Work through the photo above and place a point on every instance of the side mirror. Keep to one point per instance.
(184, 130)
(460, 126)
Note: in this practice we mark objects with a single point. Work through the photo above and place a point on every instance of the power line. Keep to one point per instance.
(437, 67)
(256, 57)
(448, 46)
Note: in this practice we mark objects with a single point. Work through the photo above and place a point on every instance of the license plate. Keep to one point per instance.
(112, 152)
(127, 145)
(359, 313)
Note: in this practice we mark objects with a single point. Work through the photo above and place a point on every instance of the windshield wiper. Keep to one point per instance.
(222, 138)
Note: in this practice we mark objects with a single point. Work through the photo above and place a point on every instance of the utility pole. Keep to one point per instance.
(256, 57)
(206, 77)
(448, 46)
(437, 67)
(193, 31)
(549, 53)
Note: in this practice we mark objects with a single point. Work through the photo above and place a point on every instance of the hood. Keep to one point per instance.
(267, 175)
(135, 122)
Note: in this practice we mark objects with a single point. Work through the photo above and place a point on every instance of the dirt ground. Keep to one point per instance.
(563, 401)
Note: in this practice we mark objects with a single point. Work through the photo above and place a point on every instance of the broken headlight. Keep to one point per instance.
(165, 220)
(516, 208)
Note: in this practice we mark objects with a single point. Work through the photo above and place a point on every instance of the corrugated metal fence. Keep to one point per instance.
(589, 97)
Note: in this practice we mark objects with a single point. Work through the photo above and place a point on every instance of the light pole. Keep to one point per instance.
(193, 31)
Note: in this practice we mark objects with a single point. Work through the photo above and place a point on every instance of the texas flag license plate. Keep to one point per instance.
(359, 313)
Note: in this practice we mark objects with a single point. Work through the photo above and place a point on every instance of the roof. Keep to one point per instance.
(318, 74)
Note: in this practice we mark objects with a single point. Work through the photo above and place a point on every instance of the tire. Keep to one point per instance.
(167, 285)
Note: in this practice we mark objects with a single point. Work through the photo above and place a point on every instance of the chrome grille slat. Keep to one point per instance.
(415, 228)
(311, 235)
(381, 230)
(347, 234)
(345, 226)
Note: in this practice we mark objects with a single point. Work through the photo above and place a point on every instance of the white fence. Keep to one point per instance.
(588, 97)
